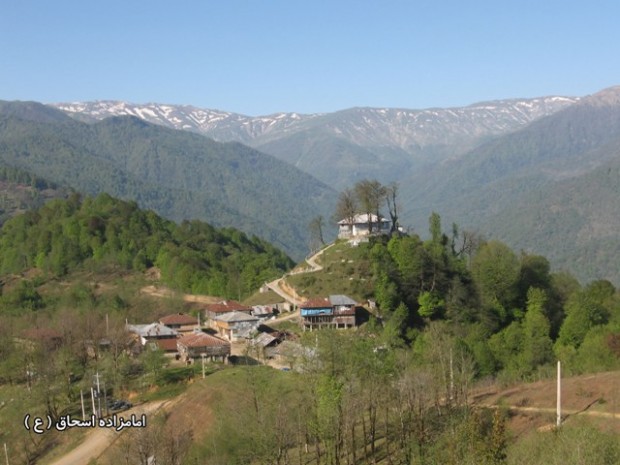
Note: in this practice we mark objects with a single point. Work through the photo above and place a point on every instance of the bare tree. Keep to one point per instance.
(346, 208)
(370, 194)
(391, 192)
(316, 232)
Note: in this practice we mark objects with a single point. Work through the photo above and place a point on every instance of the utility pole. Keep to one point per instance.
(98, 395)
(92, 396)
(105, 400)
(82, 402)
(559, 396)
(451, 378)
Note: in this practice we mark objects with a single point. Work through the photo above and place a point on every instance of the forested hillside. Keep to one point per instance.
(178, 174)
(21, 191)
(65, 235)
(549, 188)
(453, 311)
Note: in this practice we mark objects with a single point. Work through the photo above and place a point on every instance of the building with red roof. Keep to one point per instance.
(180, 322)
(336, 311)
(195, 344)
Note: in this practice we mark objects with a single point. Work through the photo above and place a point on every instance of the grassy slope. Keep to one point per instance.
(345, 271)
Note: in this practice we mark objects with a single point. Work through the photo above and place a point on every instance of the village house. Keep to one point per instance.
(235, 326)
(193, 345)
(265, 341)
(358, 226)
(291, 355)
(151, 332)
(264, 312)
(212, 311)
(180, 322)
(336, 311)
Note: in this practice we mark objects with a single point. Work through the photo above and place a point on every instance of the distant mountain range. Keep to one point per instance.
(538, 173)
(552, 187)
(178, 174)
(346, 146)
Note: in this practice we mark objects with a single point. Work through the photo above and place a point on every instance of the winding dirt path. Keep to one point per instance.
(280, 287)
(98, 441)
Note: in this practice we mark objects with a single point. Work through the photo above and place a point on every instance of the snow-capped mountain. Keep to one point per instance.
(342, 147)
(369, 127)
(219, 125)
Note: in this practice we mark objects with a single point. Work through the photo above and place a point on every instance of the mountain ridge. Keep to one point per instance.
(343, 147)
(178, 174)
(217, 123)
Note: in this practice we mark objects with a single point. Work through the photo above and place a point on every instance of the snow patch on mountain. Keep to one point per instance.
(394, 127)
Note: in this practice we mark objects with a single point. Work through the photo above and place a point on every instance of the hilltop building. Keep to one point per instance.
(363, 225)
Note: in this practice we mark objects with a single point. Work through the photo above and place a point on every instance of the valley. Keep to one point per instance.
(480, 166)
(387, 345)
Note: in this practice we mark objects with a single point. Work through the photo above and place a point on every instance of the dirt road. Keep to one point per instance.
(96, 442)
(280, 287)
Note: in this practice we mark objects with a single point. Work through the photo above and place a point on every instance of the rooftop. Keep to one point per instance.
(320, 302)
(178, 319)
(362, 218)
(200, 339)
(152, 330)
(227, 306)
(235, 316)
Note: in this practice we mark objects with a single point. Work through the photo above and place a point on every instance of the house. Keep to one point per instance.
(212, 311)
(336, 311)
(151, 332)
(266, 341)
(264, 311)
(358, 226)
(180, 322)
(292, 355)
(193, 345)
(235, 325)
(168, 346)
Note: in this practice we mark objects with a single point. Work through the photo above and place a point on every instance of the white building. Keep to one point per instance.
(358, 226)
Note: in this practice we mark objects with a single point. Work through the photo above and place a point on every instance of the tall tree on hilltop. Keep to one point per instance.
(346, 208)
(391, 193)
(370, 194)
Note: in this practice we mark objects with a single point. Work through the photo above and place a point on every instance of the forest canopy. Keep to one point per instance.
(192, 256)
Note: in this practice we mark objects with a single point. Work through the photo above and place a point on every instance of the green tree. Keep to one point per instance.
(583, 311)
(430, 304)
(495, 270)
(537, 344)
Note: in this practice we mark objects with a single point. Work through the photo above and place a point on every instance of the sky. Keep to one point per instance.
(259, 57)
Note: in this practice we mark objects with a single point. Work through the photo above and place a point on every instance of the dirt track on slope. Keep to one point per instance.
(98, 441)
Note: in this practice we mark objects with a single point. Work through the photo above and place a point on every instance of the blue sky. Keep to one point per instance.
(260, 57)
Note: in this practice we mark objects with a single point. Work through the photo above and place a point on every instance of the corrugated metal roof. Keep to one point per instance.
(152, 330)
(235, 316)
(340, 299)
(263, 339)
